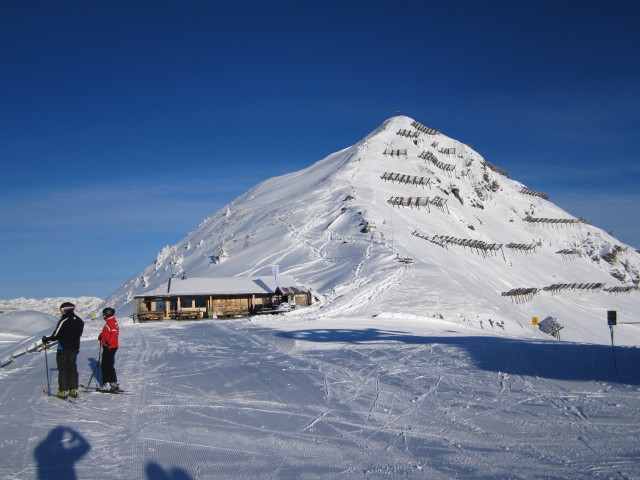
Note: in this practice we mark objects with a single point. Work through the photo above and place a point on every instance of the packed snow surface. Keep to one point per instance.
(339, 397)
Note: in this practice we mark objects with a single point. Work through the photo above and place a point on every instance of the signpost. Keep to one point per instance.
(534, 322)
(612, 319)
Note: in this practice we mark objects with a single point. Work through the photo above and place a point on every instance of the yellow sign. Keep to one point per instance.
(534, 320)
(93, 315)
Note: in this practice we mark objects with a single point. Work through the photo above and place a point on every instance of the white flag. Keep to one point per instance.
(276, 274)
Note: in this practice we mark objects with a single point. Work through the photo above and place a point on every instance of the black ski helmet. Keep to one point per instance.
(67, 306)
(109, 312)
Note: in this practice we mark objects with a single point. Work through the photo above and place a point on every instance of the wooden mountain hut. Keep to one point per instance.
(219, 297)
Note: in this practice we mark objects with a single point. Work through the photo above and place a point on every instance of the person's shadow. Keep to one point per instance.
(57, 454)
(94, 366)
(156, 472)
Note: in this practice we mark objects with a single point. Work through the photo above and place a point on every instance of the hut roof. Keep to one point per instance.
(222, 286)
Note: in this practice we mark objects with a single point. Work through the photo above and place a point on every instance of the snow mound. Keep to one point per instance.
(22, 329)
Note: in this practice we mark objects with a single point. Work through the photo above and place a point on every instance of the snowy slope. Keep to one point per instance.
(332, 227)
(17, 331)
(280, 398)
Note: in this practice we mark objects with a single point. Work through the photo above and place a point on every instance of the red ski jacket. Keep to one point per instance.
(110, 332)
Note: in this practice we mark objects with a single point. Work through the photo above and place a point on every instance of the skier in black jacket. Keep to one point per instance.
(68, 332)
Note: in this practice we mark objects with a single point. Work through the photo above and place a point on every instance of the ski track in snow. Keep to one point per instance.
(237, 400)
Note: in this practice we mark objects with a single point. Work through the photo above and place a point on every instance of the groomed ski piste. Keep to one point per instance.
(409, 364)
(334, 397)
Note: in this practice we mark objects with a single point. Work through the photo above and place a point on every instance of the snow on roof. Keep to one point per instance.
(220, 286)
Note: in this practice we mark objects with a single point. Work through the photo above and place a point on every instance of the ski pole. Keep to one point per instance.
(46, 364)
(613, 351)
(95, 369)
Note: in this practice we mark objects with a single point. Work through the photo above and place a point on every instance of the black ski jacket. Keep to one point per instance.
(68, 332)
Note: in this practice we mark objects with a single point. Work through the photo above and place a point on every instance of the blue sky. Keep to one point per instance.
(123, 124)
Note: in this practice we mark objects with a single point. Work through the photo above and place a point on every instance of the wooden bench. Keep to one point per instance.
(233, 312)
(184, 315)
(149, 316)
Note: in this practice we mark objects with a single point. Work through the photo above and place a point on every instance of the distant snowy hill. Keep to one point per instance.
(85, 306)
(411, 222)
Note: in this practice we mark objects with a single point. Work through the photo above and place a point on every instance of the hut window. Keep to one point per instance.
(201, 302)
(186, 302)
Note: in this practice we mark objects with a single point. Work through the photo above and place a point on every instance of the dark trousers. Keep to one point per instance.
(107, 367)
(67, 370)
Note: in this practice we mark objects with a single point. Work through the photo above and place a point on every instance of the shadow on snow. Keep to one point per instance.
(155, 472)
(63, 447)
(538, 358)
(57, 454)
(94, 367)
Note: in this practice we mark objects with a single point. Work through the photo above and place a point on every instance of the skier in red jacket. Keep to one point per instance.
(109, 342)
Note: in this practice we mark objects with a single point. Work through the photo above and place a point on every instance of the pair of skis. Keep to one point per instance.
(87, 389)
(66, 399)
(100, 390)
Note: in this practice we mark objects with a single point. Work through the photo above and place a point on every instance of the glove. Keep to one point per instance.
(45, 339)
(100, 337)
(106, 344)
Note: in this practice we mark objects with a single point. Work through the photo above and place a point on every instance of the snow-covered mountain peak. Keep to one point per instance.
(409, 220)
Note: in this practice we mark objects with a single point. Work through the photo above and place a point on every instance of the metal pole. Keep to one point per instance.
(46, 364)
(613, 351)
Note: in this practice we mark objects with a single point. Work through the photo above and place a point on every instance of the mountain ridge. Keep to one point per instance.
(467, 244)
